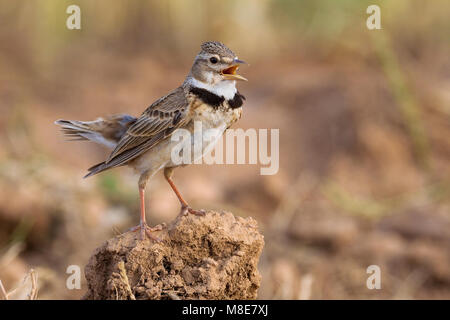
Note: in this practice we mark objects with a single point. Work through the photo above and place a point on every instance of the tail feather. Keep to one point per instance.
(107, 132)
(78, 130)
(102, 131)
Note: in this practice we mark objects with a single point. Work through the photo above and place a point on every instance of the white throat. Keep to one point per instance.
(226, 88)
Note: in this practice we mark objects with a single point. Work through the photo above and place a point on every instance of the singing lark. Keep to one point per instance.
(208, 94)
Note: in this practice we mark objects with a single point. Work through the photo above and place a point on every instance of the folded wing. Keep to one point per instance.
(155, 124)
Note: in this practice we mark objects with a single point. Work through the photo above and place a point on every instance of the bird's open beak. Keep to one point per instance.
(230, 72)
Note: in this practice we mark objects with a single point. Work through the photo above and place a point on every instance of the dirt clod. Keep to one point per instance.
(210, 257)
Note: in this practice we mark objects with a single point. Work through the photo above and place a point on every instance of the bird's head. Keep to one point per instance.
(216, 65)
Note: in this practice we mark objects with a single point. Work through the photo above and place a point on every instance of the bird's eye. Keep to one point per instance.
(213, 60)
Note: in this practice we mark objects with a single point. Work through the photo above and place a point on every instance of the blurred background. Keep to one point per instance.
(364, 119)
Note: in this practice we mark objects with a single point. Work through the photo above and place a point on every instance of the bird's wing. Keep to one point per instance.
(156, 123)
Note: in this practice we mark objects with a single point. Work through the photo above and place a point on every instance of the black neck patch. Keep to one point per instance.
(208, 97)
(214, 100)
(237, 101)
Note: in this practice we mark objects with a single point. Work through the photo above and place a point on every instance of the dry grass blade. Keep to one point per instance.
(27, 289)
(4, 295)
(34, 288)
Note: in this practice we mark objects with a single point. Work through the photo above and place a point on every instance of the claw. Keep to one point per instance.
(145, 230)
(185, 210)
(152, 237)
(200, 212)
(159, 227)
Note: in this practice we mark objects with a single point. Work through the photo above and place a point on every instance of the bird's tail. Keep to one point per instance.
(102, 131)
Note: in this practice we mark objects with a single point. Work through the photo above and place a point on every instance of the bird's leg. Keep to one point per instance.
(143, 227)
(185, 208)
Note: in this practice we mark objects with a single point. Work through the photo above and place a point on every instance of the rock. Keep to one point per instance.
(208, 257)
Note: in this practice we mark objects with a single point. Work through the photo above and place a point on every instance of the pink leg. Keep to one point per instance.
(142, 220)
(143, 227)
(184, 205)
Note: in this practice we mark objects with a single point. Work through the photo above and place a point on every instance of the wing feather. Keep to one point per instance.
(155, 124)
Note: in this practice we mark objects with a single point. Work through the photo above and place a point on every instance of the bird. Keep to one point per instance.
(208, 95)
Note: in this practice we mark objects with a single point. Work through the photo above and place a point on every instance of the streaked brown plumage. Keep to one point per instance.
(111, 129)
(155, 124)
(208, 95)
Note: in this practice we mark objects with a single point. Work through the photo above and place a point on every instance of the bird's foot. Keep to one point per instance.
(186, 209)
(145, 230)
